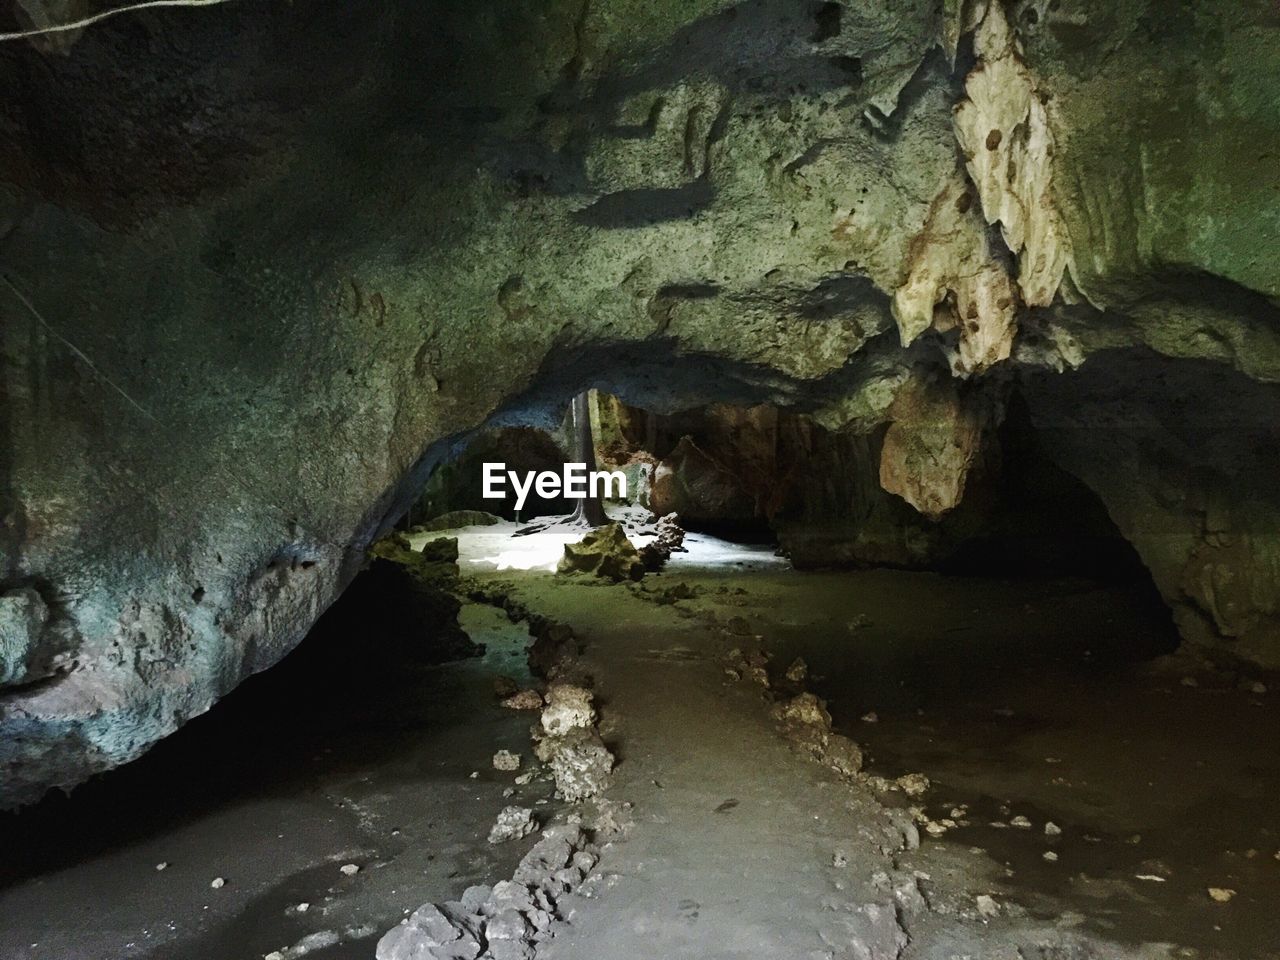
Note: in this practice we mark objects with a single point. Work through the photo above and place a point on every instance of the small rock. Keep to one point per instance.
(1051, 829)
(568, 708)
(987, 906)
(1221, 894)
(1050, 856)
(349, 869)
(839, 860)
(580, 763)
(524, 700)
(218, 883)
(804, 708)
(162, 865)
(1258, 688)
(303, 907)
(842, 754)
(506, 761)
(913, 784)
(513, 823)
(1021, 822)
(1189, 682)
(797, 671)
(870, 717)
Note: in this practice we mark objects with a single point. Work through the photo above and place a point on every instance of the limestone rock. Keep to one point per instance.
(569, 707)
(554, 647)
(956, 282)
(668, 540)
(913, 784)
(524, 700)
(512, 824)
(23, 615)
(1005, 131)
(605, 552)
(506, 761)
(806, 709)
(579, 761)
(932, 445)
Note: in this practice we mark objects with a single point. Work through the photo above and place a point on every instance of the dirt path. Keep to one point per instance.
(743, 846)
(734, 850)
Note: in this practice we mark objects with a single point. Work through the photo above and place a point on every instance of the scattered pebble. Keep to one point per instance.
(839, 860)
(1258, 688)
(513, 823)
(1189, 682)
(349, 869)
(1021, 822)
(524, 700)
(870, 717)
(1221, 894)
(303, 907)
(987, 906)
(1050, 856)
(913, 784)
(1151, 877)
(797, 671)
(218, 883)
(506, 760)
(1051, 829)
(162, 865)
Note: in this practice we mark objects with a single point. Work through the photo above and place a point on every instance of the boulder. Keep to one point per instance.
(606, 553)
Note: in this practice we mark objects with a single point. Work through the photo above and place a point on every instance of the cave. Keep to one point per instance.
(927, 352)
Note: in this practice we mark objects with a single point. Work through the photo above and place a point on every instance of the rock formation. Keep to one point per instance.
(263, 268)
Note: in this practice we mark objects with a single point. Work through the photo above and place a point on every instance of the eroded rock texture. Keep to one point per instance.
(262, 264)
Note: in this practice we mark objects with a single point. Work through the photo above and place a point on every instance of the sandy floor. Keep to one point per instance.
(1026, 699)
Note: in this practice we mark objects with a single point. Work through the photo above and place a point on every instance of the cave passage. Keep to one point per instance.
(1010, 696)
(934, 347)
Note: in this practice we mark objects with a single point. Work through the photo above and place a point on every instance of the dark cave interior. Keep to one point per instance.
(937, 342)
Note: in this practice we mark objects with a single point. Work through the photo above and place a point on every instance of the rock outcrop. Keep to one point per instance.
(606, 553)
(263, 269)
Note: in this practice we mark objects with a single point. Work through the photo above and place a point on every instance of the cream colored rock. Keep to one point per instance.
(956, 282)
(568, 708)
(934, 440)
(1005, 132)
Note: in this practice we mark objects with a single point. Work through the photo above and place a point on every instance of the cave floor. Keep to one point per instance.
(1017, 699)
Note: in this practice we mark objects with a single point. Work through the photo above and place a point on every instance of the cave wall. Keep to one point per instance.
(263, 264)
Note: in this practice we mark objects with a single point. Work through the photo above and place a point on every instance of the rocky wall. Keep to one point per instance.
(261, 264)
